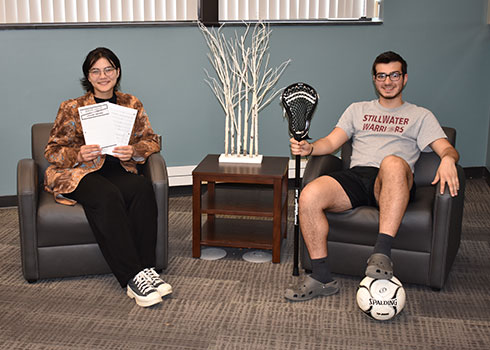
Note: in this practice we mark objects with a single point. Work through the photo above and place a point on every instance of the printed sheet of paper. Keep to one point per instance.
(107, 124)
(123, 121)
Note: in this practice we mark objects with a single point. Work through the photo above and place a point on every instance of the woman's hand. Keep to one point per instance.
(124, 153)
(88, 153)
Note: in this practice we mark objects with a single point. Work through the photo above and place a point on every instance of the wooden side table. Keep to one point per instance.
(244, 195)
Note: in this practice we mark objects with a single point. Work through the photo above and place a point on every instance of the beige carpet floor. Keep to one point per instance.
(234, 304)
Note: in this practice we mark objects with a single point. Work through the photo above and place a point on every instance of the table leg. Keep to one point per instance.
(277, 219)
(211, 194)
(196, 217)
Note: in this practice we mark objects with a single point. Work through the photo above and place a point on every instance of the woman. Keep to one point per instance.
(119, 204)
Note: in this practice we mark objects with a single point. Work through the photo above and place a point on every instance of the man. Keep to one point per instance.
(388, 135)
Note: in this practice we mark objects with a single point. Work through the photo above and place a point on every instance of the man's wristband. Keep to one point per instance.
(309, 154)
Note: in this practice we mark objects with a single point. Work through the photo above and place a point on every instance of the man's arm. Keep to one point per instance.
(446, 173)
(325, 145)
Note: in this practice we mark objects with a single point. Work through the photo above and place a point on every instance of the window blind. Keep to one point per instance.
(79, 11)
(298, 10)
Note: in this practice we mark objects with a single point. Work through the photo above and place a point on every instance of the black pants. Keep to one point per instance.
(122, 212)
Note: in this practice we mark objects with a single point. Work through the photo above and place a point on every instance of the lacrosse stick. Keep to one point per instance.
(299, 102)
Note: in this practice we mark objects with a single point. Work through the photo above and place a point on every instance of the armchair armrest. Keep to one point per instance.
(155, 169)
(448, 214)
(27, 198)
(320, 165)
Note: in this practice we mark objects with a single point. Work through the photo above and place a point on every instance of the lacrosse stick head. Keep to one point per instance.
(299, 101)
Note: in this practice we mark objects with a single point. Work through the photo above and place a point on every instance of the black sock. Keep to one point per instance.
(320, 270)
(383, 244)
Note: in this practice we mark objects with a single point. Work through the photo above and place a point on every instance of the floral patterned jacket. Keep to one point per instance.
(66, 138)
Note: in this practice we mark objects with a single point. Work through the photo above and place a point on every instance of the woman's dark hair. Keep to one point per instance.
(92, 57)
(388, 57)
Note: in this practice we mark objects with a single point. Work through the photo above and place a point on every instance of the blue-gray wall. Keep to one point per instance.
(488, 145)
(446, 44)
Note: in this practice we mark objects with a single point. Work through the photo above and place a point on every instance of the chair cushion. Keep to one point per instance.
(360, 225)
(59, 224)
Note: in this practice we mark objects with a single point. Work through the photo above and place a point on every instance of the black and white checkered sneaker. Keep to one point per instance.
(141, 289)
(157, 282)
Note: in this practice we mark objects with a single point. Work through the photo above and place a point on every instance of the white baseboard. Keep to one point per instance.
(292, 170)
(182, 175)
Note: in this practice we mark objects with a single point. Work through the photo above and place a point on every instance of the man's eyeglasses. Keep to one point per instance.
(394, 76)
(108, 71)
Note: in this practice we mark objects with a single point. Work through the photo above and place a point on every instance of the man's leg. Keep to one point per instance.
(392, 193)
(324, 193)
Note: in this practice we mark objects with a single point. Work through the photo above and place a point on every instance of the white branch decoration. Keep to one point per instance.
(244, 83)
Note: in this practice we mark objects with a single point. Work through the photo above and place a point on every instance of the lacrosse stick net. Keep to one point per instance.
(299, 101)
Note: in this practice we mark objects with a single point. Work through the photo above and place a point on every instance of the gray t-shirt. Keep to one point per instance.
(378, 132)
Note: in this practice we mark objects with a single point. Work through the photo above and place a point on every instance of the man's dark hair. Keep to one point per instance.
(92, 57)
(388, 57)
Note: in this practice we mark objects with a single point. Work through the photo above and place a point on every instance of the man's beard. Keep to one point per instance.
(389, 97)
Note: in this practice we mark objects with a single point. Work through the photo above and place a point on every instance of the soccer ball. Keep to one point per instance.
(381, 299)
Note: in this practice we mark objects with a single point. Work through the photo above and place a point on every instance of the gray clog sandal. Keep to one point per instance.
(311, 288)
(379, 266)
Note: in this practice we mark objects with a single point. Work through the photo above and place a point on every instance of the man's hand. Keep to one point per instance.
(88, 153)
(325, 145)
(302, 148)
(124, 153)
(447, 174)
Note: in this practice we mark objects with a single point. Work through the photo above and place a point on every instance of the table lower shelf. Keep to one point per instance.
(237, 233)
(244, 200)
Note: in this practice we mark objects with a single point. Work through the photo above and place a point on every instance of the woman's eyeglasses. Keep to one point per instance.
(108, 71)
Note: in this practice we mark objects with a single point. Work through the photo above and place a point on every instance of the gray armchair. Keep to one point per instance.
(55, 239)
(429, 236)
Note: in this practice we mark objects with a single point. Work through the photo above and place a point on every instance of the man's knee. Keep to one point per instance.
(393, 171)
(393, 162)
(319, 194)
(394, 165)
(307, 198)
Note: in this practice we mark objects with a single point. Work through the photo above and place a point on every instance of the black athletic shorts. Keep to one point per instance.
(358, 183)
